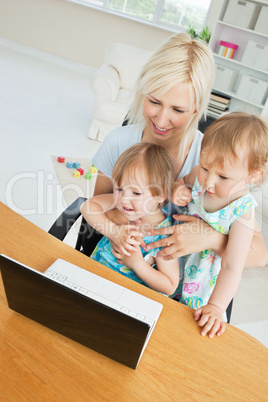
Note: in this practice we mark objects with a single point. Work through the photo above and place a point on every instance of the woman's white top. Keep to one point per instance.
(121, 138)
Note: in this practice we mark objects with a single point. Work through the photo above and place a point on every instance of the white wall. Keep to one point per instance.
(74, 31)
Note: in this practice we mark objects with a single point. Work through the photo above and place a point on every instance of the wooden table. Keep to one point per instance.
(37, 364)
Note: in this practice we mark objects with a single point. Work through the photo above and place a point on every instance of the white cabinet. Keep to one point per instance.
(249, 64)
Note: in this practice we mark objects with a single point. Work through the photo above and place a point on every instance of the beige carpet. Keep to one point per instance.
(72, 187)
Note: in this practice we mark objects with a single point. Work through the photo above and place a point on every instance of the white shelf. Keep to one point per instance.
(250, 31)
(238, 64)
(260, 2)
(232, 94)
(227, 32)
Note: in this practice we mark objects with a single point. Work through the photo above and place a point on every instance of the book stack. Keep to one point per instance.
(218, 105)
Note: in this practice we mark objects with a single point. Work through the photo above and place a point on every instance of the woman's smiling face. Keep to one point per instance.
(167, 115)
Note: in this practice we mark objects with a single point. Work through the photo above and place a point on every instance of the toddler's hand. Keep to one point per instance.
(181, 195)
(127, 239)
(210, 318)
(129, 261)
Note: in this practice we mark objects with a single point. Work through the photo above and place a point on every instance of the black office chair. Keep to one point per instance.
(88, 237)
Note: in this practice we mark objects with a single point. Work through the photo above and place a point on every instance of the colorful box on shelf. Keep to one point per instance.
(227, 49)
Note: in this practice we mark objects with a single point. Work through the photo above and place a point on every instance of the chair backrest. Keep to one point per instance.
(87, 238)
(128, 61)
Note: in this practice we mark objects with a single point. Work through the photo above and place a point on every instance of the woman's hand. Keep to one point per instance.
(195, 235)
(192, 236)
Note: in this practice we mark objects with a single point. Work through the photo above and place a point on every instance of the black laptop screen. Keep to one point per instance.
(72, 314)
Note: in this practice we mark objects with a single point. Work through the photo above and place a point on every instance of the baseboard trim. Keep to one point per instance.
(48, 57)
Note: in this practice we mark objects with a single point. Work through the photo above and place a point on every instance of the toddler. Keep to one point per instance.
(233, 156)
(143, 176)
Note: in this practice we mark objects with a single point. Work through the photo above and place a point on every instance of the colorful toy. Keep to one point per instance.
(69, 165)
(88, 176)
(81, 171)
(93, 169)
(76, 174)
(61, 159)
(76, 165)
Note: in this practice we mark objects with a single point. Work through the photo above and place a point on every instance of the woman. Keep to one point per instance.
(172, 94)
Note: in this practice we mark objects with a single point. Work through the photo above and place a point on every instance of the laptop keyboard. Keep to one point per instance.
(95, 296)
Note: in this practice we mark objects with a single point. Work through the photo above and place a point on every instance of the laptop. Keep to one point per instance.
(82, 306)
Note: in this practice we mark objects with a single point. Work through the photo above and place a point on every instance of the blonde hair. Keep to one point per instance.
(153, 161)
(180, 59)
(236, 132)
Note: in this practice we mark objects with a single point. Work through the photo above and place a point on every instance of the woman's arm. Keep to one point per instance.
(258, 253)
(192, 236)
(95, 210)
(104, 184)
(195, 235)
